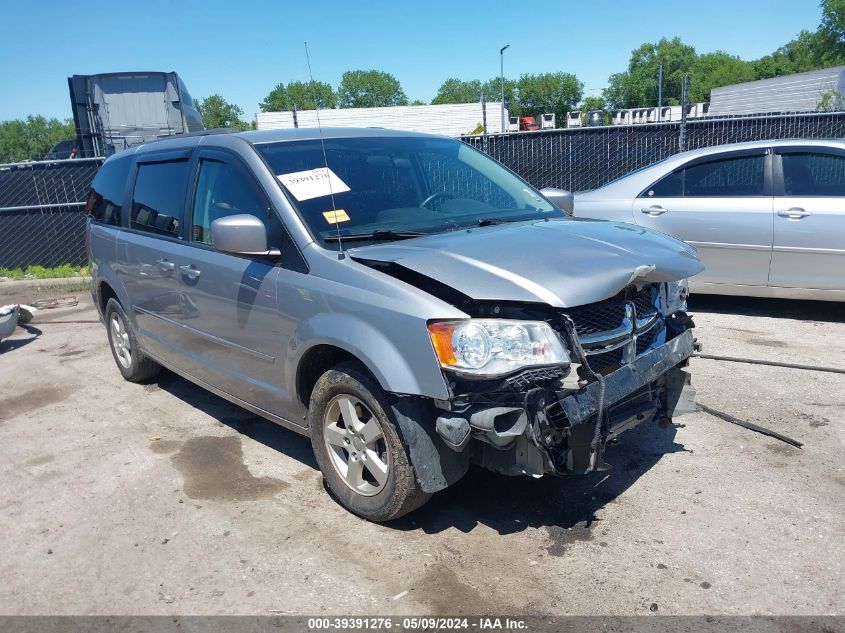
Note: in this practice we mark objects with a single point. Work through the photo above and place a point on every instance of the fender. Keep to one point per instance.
(414, 370)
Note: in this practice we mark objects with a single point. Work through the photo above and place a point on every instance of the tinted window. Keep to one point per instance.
(222, 191)
(742, 176)
(672, 186)
(105, 199)
(159, 197)
(813, 174)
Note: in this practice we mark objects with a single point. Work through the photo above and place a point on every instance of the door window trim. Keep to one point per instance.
(766, 152)
(225, 155)
(777, 166)
(147, 159)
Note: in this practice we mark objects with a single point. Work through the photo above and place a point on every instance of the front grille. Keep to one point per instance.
(609, 314)
(646, 339)
(605, 316)
(606, 362)
(598, 317)
(644, 302)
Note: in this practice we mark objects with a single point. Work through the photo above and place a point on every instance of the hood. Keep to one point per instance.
(562, 263)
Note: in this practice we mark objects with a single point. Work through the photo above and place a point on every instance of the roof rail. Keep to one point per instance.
(217, 130)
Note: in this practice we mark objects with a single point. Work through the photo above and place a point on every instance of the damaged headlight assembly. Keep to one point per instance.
(674, 296)
(495, 347)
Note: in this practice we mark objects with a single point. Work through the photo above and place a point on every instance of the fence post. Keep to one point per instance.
(682, 138)
(295, 122)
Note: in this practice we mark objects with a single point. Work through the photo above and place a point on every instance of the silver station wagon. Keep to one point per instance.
(402, 298)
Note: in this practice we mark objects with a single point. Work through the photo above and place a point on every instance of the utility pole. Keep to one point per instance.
(502, 81)
(660, 93)
(682, 139)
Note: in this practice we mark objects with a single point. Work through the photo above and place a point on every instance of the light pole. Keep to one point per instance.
(502, 80)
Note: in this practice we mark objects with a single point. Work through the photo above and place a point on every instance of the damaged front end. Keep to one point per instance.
(626, 358)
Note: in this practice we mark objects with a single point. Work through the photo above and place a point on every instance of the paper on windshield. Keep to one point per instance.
(312, 183)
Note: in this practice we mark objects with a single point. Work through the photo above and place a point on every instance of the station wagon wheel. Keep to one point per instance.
(133, 364)
(356, 445)
(121, 345)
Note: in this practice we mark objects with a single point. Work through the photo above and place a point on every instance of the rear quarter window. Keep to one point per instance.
(105, 200)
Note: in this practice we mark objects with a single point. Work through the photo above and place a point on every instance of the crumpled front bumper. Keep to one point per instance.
(564, 431)
(659, 368)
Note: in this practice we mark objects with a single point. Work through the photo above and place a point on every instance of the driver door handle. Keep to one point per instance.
(795, 213)
(165, 266)
(190, 271)
(654, 210)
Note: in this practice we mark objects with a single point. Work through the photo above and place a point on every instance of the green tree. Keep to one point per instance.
(833, 19)
(458, 91)
(300, 94)
(369, 89)
(592, 103)
(713, 70)
(32, 138)
(216, 112)
(492, 90)
(637, 87)
(548, 92)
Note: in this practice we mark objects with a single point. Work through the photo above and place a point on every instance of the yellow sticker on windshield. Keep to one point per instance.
(338, 215)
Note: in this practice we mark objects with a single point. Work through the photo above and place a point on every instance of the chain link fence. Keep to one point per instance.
(41, 203)
(585, 158)
(41, 212)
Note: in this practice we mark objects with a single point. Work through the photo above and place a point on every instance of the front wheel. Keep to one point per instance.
(358, 446)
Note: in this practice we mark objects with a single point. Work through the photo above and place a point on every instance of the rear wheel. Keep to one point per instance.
(358, 446)
(131, 361)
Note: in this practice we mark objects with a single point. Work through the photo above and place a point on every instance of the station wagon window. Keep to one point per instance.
(726, 178)
(158, 200)
(222, 191)
(813, 174)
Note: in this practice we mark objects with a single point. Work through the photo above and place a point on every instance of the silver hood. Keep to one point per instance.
(561, 263)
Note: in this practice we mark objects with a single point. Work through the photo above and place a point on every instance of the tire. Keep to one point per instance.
(127, 353)
(379, 483)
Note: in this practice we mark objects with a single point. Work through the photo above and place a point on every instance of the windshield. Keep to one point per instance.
(398, 184)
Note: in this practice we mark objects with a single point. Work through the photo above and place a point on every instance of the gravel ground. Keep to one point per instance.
(155, 499)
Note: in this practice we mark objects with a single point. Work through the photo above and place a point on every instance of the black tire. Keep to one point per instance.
(401, 493)
(134, 365)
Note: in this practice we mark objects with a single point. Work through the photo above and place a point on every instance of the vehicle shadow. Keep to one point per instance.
(269, 433)
(566, 506)
(827, 311)
(9, 345)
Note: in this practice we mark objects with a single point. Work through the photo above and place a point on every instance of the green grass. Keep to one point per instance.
(42, 272)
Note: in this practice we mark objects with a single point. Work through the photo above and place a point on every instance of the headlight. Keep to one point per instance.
(674, 296)
(492, 347)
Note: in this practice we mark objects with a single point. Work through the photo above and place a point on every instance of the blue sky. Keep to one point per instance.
(242, 48)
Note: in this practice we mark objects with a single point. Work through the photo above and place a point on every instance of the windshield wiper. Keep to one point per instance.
(377, 235)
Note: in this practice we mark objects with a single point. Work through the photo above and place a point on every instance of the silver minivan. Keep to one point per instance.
(402, 298)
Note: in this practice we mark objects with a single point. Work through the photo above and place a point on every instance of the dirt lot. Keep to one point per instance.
(226, 513)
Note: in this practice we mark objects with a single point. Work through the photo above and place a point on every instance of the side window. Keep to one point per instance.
(105, 199)
(222, 191)
(159, 197)
(726, 178)
(813, 174)
(671, 186)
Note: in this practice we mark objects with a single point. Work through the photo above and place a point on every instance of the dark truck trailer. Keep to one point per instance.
(113, 111)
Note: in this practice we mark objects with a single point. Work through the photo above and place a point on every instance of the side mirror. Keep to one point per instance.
(562, 199)
(241, 235)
